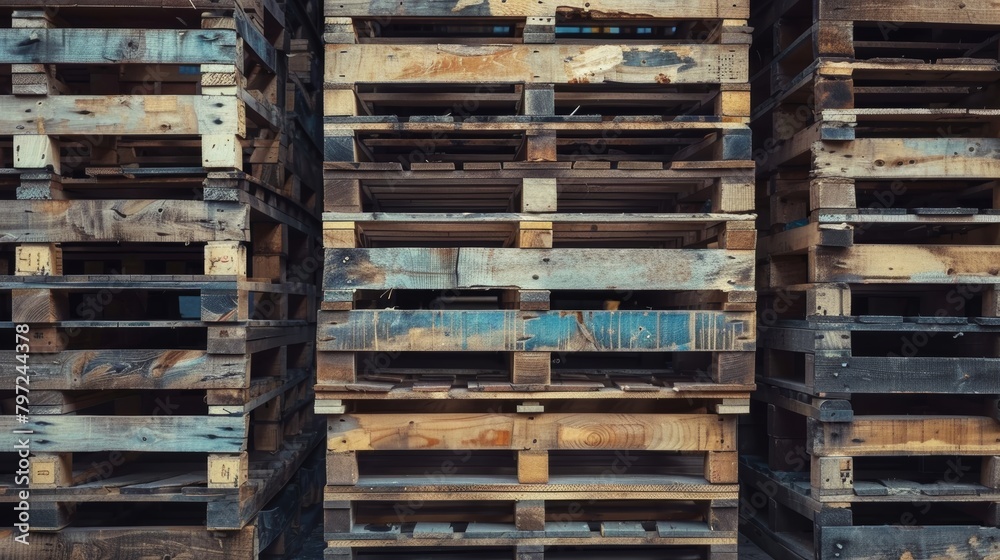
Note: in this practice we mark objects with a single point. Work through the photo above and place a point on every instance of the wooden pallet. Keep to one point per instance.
(289, 482)
(883, 354)
(537, 432)
(881, 114)
(883, 158)
(538, 187)
(899, 518)
(605, 9)
(531, 139)
(849, 448)
(377, 520)
(236, 433)
(518, 64)
(486, 549)
(214, 97)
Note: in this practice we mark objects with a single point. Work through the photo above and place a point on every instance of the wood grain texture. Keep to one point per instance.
(117, 46)
(122, 114)
(539, 331)
(137, 369)
(905, 435)
(871, 542)
(980, 12)
(734, 9)
(912, 264)
(886, 374)
(195, 434)
(546, 64)
(67, 221)
(176, 543)
(469, 431)
(909, 158)
(539, 269)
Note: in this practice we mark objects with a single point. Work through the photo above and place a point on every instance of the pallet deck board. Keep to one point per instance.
(121, 46)
(540, 269)
(120, 114)
(535, 8)
(554, 64)
(544, 431)
(552, 331)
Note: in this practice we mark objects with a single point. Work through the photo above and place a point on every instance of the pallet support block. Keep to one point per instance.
(228, 471)
(531, 368)
(533, 466)
(832, 475)
(735, 194)
(341, 195)
(221, 151)
(721, 467)
(539, 100)
(540, 145)
(342, 468)
(226, 258)
(529, 515)
(51, 470)
(534, 235)
(38, 305)
(36, 152)
(538, 195)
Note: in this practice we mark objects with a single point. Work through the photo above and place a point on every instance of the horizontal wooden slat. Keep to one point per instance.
(552, 64)
(734, 9)
(905, 435)
(654, 432)
(916, 264)
(964, 12)
(539, 269)
(118, 46)
(136, 369)
(909, 158)
(121, 114)
(65, 221)
(887, 541)
(72, 433)
(542, 331)
(502, 217)
(143, 542)
(885, 374)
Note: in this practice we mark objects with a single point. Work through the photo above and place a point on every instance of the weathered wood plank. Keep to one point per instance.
(907, 375)
(905, 435)
(908, 541)
(539, 269)
(336, 129)
(504, 217)
(121, 114)
(909, 158)
(67, 221)
(118, 46)
(183, 4)
(654, 432)
(136, 369)
(539, 331)
(912, 264)
(964, 12)
(176, 543)
(70, 433)
(546, 64)
(735, 9)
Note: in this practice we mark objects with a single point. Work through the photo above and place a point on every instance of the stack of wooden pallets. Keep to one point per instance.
(537, 322)
(158, 251)
(875, 431)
